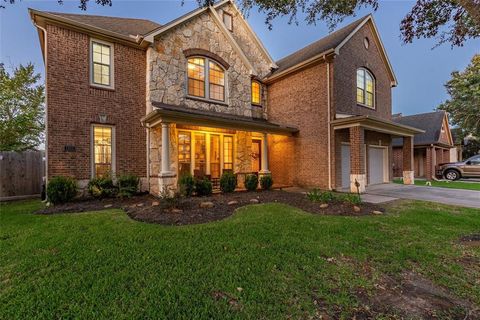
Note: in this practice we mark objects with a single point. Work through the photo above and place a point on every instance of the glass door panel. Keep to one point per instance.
(215, 156)
(200, 155)
(184, 153)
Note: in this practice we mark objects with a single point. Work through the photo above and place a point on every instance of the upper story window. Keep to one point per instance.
(228, 20)
(206, 79)
(256, 92)
(101, 63)
(365, 88)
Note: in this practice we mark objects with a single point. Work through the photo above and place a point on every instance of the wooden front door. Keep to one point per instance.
(256, 155)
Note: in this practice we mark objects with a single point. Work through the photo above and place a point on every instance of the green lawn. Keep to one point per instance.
(105, 265)
(447, 184)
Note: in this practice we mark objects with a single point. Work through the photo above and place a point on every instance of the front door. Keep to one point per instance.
(345, 166)
(256, 155)
(376, 165)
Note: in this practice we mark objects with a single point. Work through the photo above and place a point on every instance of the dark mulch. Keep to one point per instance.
(150, 209)
(190, 212)
(471, 239)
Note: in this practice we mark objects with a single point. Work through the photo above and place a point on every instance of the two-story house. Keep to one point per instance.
(202, 95)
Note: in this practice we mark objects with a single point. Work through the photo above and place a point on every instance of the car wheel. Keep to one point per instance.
(452, 175)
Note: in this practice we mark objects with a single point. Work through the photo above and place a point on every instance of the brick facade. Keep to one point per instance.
(74, 105)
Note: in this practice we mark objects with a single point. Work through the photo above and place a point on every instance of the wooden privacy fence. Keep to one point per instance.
(21, 174)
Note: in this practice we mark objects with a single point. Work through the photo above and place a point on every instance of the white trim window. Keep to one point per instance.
(206, 79)
(103, 150)
(101, 64)
(365, 88)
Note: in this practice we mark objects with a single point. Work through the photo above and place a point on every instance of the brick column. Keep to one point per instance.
(357, 160)
(429, 168)
(408, 172)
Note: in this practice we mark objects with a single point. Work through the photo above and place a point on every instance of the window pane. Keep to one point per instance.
(360, 96)
(228, 153)
(184, 153)
(215, 156)
(256, 92)
(360, 78)
(369, 100)
(196, 77)
(217, 81)
(102, 148)
(369, 84)
(97, 47)
(200, 155)
(97, 57)
(217, 92)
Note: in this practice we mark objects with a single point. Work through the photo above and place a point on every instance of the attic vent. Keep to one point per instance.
(366, 42)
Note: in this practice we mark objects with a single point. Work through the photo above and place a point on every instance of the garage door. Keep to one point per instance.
(345, 166)
(376, 165)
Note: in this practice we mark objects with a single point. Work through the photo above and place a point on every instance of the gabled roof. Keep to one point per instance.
(430, 122)
(124, 26)
(328, 45)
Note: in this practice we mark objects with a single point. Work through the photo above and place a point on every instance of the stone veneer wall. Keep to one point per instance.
(167, 66)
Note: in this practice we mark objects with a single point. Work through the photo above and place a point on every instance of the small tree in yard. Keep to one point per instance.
(21, 109)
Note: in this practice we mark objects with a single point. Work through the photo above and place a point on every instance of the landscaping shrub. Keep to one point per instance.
(170, 199)
(350, 198)
(61, 189)
(203, 187)
(266, 182)
(228, 182)
(251, 182)
(102, 187)
(186, 185)
(318, 196)
(127, 185)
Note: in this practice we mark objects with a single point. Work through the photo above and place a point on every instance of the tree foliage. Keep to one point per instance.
(464, 103)
(453, 21)
(21, 109)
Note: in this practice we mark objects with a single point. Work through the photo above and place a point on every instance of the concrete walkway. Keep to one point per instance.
(457, 197)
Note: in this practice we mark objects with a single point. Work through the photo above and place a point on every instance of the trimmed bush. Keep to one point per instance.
(127, 185)
(251, 182)
(186, 185)
(102, 187)
(350, 198)
(203, 187)
(266, 182)
(228, 182)
(61, 189)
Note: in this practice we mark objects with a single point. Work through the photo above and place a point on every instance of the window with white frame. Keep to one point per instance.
(365, 88)
(101, 63)
(103, 151)
(206, 79)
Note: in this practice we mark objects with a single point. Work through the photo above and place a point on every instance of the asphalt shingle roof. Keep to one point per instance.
(123, 26)
(329, 42)
(431, 122)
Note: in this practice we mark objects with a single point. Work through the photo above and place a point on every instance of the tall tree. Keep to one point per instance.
(464, 103)
(21, 109)
(453, 21)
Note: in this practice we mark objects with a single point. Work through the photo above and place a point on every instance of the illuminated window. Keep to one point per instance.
(215, 156)
(204, 73)
(184, 153)
(228, 153)
(200, 155)
(196, 77)
(365, 88)
(103, 155)
(228, 20)
(256, 92)
(101, 64)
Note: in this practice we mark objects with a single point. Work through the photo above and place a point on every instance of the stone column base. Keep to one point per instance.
(362, 181)
(167, 184)
(408, 177)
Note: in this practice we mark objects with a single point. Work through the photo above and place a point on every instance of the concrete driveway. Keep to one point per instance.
(457, 197)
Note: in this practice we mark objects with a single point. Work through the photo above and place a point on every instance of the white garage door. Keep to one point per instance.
(376, 165)
(345, 166)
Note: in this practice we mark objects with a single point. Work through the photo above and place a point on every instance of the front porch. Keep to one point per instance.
(363, 144)
(205, 144)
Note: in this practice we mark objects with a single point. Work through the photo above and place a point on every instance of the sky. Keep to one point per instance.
(421, 70)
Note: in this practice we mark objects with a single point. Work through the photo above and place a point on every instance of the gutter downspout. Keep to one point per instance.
(46, 98)
(328, 127)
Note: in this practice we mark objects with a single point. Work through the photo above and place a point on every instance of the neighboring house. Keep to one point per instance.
(433, 147)
(202, 95)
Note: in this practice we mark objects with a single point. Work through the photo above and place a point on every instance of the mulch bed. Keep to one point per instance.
(471, 239)
(147, 208)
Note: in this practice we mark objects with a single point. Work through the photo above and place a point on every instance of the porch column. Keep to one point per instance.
(264, 165)
(408, 173)
(431, 159)
(166, 178)
(358, 178)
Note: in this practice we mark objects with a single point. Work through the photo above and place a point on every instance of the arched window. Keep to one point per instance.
(206, 79)
(365, 88)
